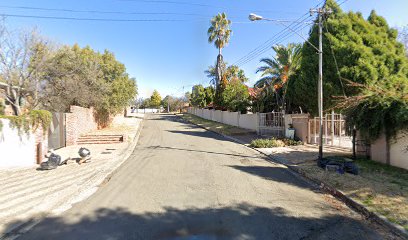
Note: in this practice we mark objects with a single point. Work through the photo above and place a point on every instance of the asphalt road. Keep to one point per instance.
(183, 182)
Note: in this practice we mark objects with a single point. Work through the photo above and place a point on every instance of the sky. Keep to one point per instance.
(163, 43)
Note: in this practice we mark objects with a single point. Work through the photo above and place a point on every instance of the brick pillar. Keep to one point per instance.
(41, 144)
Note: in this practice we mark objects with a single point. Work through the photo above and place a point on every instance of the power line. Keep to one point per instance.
(170, 2)
(99, 12)
(278, 40)
(266, 45)
(260, 49)
(113, 19)
(100, 19)
(204, 5)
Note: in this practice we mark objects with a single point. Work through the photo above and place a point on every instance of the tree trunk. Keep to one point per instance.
(16, 109)
(218, 71)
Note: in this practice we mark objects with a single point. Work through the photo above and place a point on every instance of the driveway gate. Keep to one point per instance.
(272, 124)
(56, 132)
(334, 131)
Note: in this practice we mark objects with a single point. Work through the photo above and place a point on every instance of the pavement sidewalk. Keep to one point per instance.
(30, 193)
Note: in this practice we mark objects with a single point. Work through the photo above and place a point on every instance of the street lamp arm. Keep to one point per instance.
(255, 17)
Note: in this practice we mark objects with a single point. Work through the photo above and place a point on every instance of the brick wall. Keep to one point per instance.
(79, 121)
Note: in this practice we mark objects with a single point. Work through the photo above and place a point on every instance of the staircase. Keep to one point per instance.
(100, 139)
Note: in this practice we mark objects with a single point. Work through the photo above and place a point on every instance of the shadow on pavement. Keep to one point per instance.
(278, 174)
(205, 134)
(240, 221)
(210, 152)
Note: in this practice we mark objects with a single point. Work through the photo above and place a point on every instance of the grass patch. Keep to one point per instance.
(214, 126)
(380, 188)
(274, 142)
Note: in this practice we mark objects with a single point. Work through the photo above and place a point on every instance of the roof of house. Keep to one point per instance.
(253, 92)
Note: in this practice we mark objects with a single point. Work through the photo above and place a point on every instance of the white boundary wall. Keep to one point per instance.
(141, 110)
(398, 152)
(247, 121)
(16, 151)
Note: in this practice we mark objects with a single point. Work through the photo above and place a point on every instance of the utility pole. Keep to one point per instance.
(168, 105)
(321, 12)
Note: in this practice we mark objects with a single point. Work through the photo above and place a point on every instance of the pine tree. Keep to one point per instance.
(366, 51)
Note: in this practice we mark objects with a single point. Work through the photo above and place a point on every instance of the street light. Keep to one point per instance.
(254, 17)
(320, 11)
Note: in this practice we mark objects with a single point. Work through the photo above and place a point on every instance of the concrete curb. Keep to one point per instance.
(84, 193)
(395, 228)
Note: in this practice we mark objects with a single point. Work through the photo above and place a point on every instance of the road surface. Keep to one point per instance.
(183, 182)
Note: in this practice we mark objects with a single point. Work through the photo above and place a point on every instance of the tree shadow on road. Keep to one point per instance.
(210, 152)
(276, 173)
(241, 221)
(204, 134)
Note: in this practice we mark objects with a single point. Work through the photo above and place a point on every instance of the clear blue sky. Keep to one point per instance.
(168, 55)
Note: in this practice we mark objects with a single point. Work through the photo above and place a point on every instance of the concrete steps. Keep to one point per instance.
(100, 139)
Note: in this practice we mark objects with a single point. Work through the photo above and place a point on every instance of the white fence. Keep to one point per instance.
(246, 121)
(144, 110)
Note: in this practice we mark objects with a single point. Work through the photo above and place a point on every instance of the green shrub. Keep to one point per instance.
(291, 142)
(274, 142)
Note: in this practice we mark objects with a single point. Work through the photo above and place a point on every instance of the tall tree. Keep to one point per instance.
(277, 72)
(234, 72)
(84, 77)
(235, 96)
(211, 73)
(198, 98)
(365, 51)
(219, 33)
(120, 87)
(72, 77)
(23, 56)
(209, 95)
(155, 99)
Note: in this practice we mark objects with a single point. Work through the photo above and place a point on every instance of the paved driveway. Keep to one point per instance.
(183, 182)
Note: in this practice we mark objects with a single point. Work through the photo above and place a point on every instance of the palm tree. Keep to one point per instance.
(277, 71)
(219, 33)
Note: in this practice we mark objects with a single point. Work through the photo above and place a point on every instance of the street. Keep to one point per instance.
(183, 182)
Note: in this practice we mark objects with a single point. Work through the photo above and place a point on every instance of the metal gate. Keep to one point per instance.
(56, 132)
(334, 131)
(272, 124)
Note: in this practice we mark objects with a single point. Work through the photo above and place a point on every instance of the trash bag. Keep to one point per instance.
(345, 164)
(53, 162)
(84, 152)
